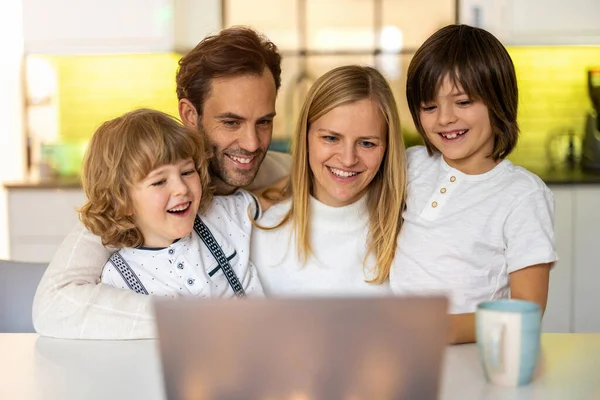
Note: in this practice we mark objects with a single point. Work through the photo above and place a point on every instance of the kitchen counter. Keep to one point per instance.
(34, 368)
(54, 183)
(566, 176)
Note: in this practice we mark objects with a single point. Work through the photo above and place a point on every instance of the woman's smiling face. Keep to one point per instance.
(345, 150)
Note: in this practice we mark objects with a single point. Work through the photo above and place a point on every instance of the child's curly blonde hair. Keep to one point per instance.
(124, 151)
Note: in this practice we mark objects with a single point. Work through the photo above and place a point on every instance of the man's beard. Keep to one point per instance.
(221, 169)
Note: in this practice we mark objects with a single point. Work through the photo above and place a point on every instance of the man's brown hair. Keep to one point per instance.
(232, 52)
(475, 59)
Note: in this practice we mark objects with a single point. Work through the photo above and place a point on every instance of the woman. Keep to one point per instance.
(333, 229)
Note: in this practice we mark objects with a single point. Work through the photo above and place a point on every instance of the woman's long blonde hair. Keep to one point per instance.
(386, 194)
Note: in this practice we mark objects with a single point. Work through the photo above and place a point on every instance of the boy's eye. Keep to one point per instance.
(188, 172)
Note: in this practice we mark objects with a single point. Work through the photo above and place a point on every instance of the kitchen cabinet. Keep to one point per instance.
(558, 315)
(574, 292)
(586, 258)
(535, 22)
(87, 26)
(117, 26)
(39, 220)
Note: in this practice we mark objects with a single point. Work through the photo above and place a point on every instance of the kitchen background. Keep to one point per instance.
(70, 92)
(69, 65)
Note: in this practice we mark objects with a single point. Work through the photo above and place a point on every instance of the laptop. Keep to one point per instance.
(302, 349)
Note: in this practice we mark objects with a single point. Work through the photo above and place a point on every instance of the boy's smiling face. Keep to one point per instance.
(165, 203)
(459, 127)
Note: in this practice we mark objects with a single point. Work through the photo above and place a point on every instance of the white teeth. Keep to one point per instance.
(342, 174)
(180, 208)
(453, 135)
(241, 160)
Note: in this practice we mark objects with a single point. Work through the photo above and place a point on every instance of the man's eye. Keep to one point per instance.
(159, 183)
(265, 122)
(231, 123)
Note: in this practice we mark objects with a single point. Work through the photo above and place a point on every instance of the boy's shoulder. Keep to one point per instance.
(523, 180)
(232, 210)
(418, 160)
(419, 154)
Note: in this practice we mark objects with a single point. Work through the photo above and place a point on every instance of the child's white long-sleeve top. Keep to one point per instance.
(464, 234)
(188, 267)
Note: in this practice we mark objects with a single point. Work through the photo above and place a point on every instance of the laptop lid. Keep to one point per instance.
(301, 349)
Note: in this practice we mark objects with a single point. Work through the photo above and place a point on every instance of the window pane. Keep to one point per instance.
(276, 19)
(340, 24)
(417, 20)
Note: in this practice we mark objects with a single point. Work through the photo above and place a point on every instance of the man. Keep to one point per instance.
(227, 87)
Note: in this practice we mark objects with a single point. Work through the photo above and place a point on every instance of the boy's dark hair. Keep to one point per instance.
(232, 52)
(475, 59)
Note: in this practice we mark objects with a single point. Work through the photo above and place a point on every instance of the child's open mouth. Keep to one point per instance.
(453, 135)
(180, 209)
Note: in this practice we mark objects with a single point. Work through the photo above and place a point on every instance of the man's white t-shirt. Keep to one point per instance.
(464, 234)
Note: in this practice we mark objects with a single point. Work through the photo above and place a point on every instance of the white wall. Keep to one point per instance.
(12, 146)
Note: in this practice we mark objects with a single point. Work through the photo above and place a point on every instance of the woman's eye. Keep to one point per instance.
(329, 138)
(368, 145)
(464, 103)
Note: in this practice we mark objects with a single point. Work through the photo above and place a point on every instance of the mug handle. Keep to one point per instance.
(495, 348)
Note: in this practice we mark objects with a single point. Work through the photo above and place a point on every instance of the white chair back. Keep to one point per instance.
(18, 283)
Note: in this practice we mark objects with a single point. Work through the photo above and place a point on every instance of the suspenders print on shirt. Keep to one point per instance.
(209, 241)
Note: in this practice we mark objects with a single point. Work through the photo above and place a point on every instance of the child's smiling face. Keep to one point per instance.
(460, 128)
(166, 202)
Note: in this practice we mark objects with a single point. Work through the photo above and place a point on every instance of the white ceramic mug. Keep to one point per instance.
(508, 337)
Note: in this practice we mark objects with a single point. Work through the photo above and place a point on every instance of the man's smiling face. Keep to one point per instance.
(238, 120)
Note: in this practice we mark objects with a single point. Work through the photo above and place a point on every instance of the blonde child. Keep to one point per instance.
(149, 196)
(476, 227)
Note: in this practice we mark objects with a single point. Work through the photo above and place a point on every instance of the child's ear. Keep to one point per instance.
(188, 114)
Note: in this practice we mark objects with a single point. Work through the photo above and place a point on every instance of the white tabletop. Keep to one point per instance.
(36, 368)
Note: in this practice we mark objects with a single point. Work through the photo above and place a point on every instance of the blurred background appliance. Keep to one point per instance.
(590, 159)
(563, 149)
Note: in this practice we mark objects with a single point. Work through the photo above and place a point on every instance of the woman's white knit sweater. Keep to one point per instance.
(336, 267)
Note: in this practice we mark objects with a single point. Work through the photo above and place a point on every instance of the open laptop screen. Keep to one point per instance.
(319, 348)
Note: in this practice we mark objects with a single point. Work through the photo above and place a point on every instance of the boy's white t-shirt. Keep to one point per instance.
(187, 267)
(464, 234)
